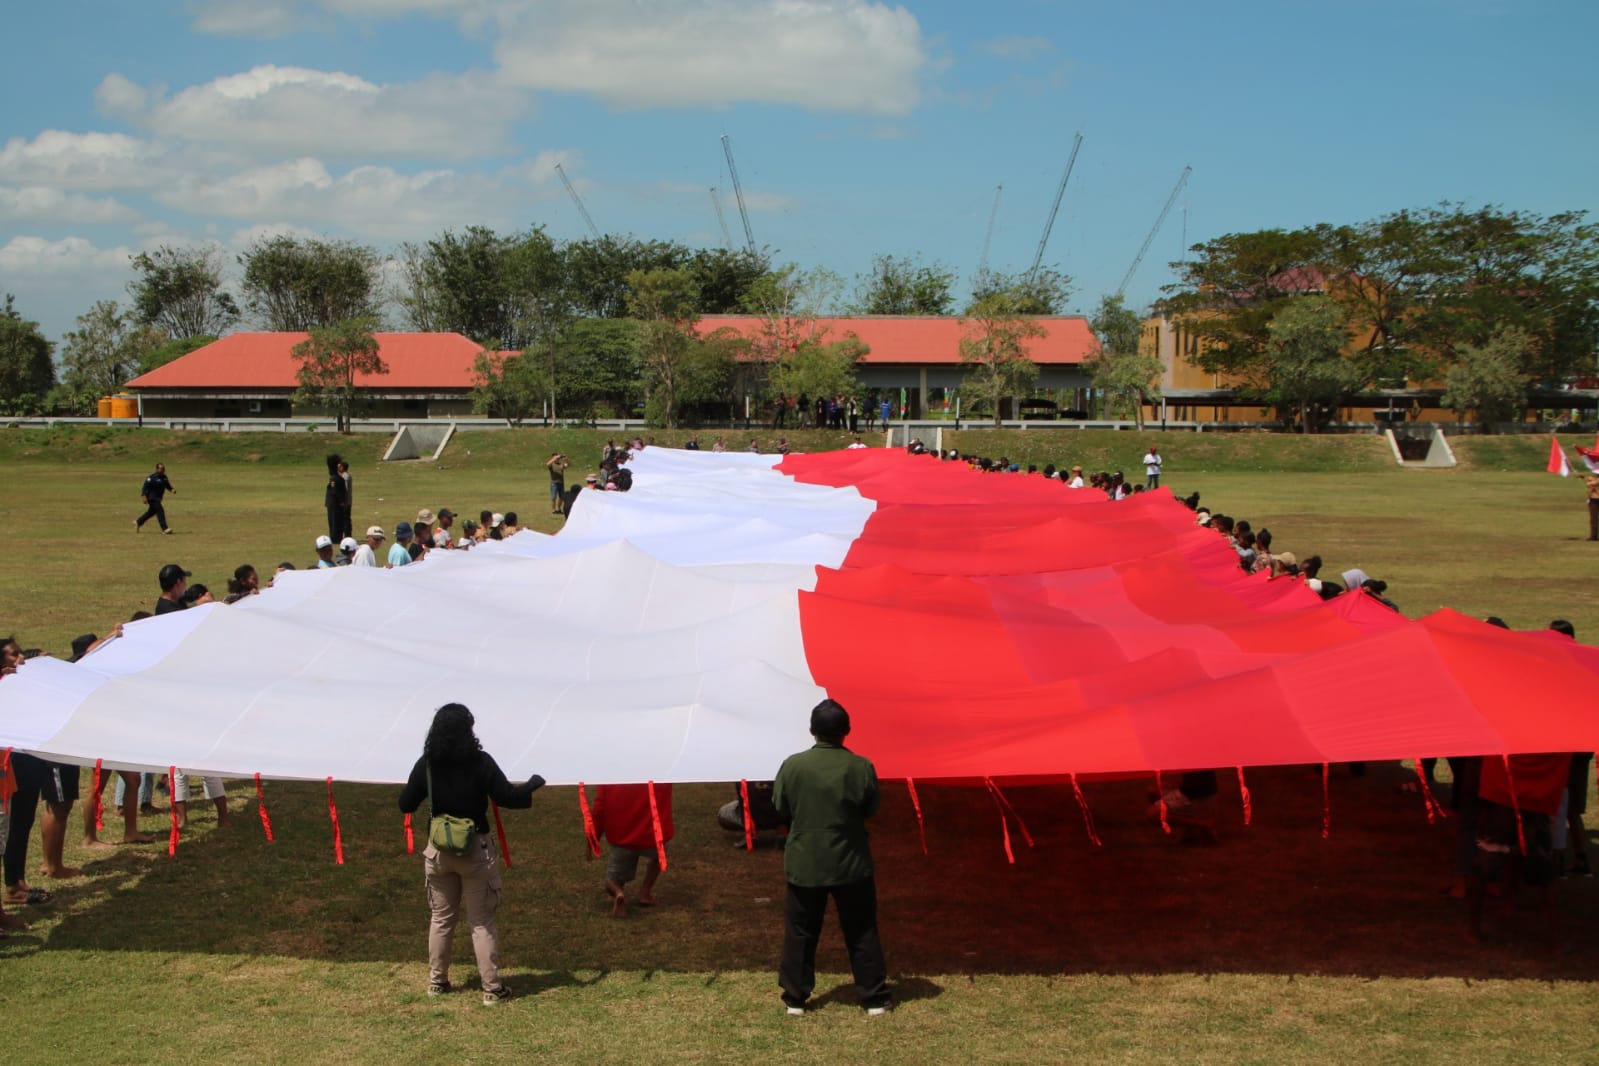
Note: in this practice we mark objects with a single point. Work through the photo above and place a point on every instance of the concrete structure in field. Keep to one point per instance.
(254, 375)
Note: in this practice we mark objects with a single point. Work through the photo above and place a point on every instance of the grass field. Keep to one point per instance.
(1276, 946)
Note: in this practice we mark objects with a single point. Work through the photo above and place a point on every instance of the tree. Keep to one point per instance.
(662, 302)
(1126, 378)
(896, 286)
(1308, 368)
(725, 277)
(790, 303)
(1490, 378)
(331, 359)
(505, 292)
(179, 290)
(593, 366)
(27, 373)
(825, 368)
(298, 285)
(103, 353)
(995, 350)
(1043, 292)
(507, 385)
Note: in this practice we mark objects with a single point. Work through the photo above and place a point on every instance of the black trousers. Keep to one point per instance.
(346, 526)
(32, 774)
(335, 525)
(802, 928)
(155, 511)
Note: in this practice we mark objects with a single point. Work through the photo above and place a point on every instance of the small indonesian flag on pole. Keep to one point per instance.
(1590, 457)
(1557, 459)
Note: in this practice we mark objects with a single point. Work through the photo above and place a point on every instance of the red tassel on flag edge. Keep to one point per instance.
(590, 835)
(410, 837)
(499, 828)
(1243, 794)
(749, 819)
(172, 806)
(261, 806)
(1160, 791)
(1510, 782)
(655, 821)
(1088, 819)
(338, 834)
(99, 802)
(1326, 802)
(916, 803)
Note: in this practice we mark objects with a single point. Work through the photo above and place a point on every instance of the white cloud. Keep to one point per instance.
(36, 204)
(83, 161)
(845, 55)
(69, 257)
(853, 56)
(271, 111)
(369, 202)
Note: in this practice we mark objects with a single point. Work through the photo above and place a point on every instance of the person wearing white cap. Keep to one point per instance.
(347, 549)
(366, 554)
(324, 552)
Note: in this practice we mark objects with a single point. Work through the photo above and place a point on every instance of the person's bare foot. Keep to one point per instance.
(138, 838)
(96, 842)
(619, 906)
(646, 901)
(61, 873)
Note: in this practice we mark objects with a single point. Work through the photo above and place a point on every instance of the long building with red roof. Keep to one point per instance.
(255, 375)
(430, 374)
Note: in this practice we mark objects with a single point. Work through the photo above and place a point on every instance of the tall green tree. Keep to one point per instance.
(294, 284)
(1490, 379)
(179, 291)
(1308, 365)
(994, 350)
(791, 304)
(904, 286)
(1043, 292)
(663, 304)
(1127, 379)
(504, 291)
(103, 353)
(725, 277)
(27, 372)
(507, 385)
(331, 360)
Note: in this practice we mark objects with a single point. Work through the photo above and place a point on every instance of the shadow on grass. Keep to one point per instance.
(1273, 897)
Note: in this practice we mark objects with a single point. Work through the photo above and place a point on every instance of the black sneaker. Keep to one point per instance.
(492, 996)
(439, 988)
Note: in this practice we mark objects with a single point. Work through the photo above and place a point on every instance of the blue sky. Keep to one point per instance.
(859, 128)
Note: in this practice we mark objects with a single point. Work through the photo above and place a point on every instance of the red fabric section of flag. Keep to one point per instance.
(916, 803)
(589, 833)
(499, 828)
(749, 819)
(655, 823)
(8, 783)
(1243, 794)
(1088, 819)
(261, 805)
(99, 802)
(410, 837)
(172, 807)
(1174, 659)
(338, 834)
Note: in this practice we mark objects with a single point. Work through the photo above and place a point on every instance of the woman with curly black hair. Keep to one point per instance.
(459, 778)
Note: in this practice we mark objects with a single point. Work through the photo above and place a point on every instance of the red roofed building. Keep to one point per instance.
(922, 352)
(255, 375)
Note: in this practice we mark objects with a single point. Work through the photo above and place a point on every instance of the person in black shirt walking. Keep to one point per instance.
(155, 486)
(459, 778)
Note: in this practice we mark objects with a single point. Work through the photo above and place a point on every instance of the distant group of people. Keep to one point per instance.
(830, 412)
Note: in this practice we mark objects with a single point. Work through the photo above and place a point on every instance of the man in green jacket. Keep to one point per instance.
(826, 794)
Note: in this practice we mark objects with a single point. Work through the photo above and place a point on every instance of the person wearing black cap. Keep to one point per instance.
(174, 580)
(826, 794)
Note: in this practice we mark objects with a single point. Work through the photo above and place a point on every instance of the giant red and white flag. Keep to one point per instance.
(1557, 459)
(975, 625)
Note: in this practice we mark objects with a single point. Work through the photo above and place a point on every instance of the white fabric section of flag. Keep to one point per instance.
(656, 638)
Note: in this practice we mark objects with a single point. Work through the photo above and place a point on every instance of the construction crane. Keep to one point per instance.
(721, 219)
(1139, 258)
(982, 264)
(738, 193)
(578, 200)
(1054, 209)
